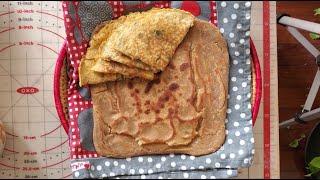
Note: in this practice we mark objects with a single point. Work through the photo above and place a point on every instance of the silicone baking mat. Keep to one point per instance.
(31, 34)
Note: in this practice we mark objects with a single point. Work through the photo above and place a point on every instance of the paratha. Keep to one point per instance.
(154, 38)
(86, 76)
(148, 41)
(100, 35)
(107, 53)
(181, 111)
(98, 48)
(108, 67)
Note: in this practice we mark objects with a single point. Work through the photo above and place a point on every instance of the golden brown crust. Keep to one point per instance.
(162, 30)
(103, 49)
(152, 36)
(108, 67)
(188, 101)
(107, 53)
(86, 76)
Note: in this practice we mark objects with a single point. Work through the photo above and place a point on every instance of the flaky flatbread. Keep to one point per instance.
(104, 74)
(135, 45)
(153, 38)
(108, 67)
(106, 51)
(86, 76)
(109, 54)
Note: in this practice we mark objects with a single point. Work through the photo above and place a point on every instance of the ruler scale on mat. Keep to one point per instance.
(270, 94)
(31, 33)
(266, 87)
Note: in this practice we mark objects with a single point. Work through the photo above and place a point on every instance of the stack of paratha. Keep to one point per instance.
(137, 45)
(180, 110)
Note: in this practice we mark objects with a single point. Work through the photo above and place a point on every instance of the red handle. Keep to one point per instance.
(258, 79)
(56, 87)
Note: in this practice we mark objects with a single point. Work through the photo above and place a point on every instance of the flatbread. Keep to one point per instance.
(101, 35)
(154, 38)
(181, 111)
(148, 41)
(108, 67)
(86, 76)
(109, 54)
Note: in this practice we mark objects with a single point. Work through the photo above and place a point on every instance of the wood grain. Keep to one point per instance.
(296, 68)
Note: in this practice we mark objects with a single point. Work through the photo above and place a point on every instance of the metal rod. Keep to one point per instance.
(315, 52)
(313, 92)
(296, 34)
(292, 24)
(308, 116)
(301, 24)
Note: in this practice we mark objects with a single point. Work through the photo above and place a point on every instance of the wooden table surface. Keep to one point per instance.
(296, 68)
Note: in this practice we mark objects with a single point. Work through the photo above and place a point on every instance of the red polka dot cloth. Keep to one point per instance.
(81, 17)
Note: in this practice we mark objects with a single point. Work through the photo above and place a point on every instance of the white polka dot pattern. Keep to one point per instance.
(239, 26)
(225, 20)
(208, 161)
(185, 175)
(99, 168)
(183, 156)
(235, 5)
(158, 165)
(115, 163)
(233, 16)
(76, 174)
(141, 171)
(163, 158)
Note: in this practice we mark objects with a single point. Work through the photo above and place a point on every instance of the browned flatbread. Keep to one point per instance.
(148, 41)
(181, 111)
(100, 48)
(112, 71)
(100, 34)
(107, 67)
(107, 53)
(152, 36)
(86, 76)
